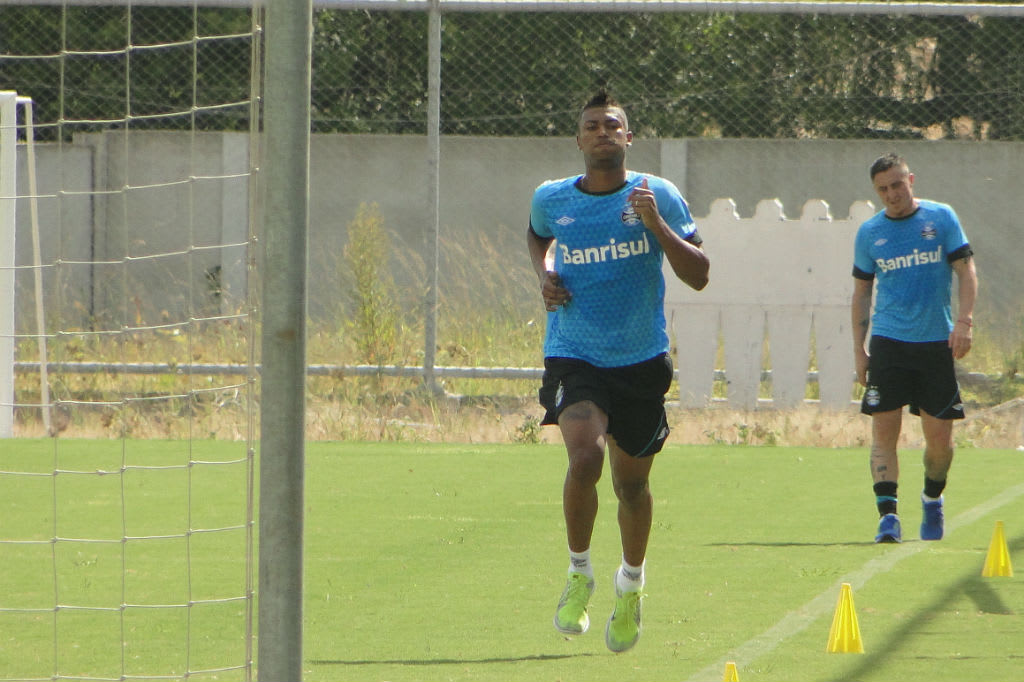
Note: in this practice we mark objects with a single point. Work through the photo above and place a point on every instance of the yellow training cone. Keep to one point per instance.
(844, 637)
(730, 673)
(997, 563)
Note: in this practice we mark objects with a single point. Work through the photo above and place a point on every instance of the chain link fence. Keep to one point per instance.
(102, 67)
(682, 75)
(687, 74)
(771, 74)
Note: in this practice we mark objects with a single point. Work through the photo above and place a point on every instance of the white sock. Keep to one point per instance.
(579, 562)
(630, 578)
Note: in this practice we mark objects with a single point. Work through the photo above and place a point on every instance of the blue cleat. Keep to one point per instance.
(888, 529)
(932, 521)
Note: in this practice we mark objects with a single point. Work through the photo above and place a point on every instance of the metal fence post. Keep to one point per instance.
(289, 29)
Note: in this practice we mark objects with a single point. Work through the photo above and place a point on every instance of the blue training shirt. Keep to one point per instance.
(911, 259)
(611, 264)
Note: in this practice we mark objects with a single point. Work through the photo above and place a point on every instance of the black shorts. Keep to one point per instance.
(633, 397)
(917, 374)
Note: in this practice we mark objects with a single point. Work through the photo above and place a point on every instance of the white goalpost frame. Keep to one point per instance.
(8, 236)
(8, 198)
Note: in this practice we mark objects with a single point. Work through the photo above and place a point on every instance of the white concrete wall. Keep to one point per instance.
(158, 195)
(132, 219)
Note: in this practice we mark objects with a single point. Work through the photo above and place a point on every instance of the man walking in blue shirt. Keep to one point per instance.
(607, 367)
(912, 249)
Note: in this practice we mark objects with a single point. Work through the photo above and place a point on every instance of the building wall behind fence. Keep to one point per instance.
(486, 185)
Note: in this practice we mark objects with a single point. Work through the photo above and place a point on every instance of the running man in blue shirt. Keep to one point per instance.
(911, 249)
(607, 367)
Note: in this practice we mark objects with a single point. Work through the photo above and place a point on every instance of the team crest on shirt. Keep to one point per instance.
(629, 216)
(928, 231)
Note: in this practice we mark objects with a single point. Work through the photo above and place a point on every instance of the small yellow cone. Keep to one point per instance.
(997, 562)
(730, 673)
(844, 636)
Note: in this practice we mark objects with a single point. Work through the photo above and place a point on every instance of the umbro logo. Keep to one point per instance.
(565, 220)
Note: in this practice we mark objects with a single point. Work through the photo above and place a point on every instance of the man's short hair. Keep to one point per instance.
(603, 99)
(887, 161)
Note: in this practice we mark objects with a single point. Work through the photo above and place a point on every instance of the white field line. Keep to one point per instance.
(798, 620)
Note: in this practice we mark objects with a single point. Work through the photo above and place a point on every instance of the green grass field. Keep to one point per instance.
(444, 562)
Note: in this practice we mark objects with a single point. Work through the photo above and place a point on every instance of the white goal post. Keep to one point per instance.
(9, 103)
(8, 198)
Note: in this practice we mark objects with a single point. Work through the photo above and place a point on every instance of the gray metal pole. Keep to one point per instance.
(434, 192)
(285, 184)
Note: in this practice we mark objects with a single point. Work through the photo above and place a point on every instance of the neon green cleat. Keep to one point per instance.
(624, 627)
(571, 617)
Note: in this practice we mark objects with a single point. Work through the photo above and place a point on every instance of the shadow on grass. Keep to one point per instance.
(976, 588)
(456, 661)
(789, 544)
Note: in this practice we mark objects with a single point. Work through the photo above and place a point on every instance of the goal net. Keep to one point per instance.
(126, 213)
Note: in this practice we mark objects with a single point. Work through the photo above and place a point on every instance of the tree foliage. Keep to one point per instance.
(681, 75)
(88, 67)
